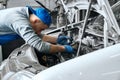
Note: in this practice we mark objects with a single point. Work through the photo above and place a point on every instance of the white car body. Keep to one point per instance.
(102, 64)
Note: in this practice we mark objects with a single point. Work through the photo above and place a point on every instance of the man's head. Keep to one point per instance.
(40, 19)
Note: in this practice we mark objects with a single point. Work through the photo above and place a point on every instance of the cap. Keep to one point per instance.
(42, 14)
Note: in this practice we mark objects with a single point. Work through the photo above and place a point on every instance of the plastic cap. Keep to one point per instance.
(42, 14)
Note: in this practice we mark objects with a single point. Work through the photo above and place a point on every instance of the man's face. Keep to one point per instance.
(39, 26)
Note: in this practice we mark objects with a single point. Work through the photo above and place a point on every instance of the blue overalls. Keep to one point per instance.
(7, 38)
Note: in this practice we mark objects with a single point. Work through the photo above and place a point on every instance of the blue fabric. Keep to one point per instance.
(63, 40)
(42, 14)
(7, 38)
(69, 49)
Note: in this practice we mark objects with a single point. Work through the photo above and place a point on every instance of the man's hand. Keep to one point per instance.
(63, 40)
(69, 49)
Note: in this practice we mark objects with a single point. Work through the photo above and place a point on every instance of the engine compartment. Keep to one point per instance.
(91, 32)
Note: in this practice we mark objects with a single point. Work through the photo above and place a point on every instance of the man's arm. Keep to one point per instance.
(50, 39)
(42, 45)
(56, 48)
(53, 48)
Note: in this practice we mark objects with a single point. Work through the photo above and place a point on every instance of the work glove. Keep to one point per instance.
(63, 40)
(69, 49)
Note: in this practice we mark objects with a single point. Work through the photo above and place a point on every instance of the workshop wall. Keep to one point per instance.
(48, 3)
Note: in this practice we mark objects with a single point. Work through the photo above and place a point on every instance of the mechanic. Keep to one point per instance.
(27, 23)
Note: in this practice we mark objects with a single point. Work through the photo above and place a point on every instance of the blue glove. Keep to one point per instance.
(63, 40)
(69, 49)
